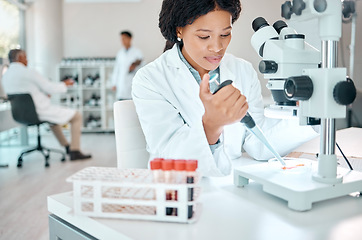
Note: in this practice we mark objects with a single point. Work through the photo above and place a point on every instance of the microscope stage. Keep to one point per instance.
(295, 184)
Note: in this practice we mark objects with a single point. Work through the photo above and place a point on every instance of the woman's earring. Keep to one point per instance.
(179, 39)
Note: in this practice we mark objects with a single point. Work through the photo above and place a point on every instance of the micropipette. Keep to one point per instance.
(250, 123)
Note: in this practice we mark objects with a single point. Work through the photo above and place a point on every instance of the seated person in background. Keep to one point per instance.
(20, 79)
(180, 117)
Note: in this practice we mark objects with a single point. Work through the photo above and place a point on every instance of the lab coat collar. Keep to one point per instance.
(184, 78)
(173, 60)
(127, 49)
(16, 64)
(186, 87)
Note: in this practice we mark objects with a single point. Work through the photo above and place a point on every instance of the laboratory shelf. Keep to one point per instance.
(91, 95)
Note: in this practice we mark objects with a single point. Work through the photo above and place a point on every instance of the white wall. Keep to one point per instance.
(44, 35)
(92, 29)
(346, 33)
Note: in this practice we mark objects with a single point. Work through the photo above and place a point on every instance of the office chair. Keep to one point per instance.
(23, 111)
(130, 140)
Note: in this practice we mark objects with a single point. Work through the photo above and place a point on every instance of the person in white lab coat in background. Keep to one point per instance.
(21, 79)
(3, 68)
(128, 61)
(180, 116)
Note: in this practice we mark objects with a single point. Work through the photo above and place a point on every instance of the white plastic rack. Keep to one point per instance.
(133, 194)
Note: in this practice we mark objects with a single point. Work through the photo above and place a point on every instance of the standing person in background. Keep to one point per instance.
(128, 61)
(21, 79)
(2, 67)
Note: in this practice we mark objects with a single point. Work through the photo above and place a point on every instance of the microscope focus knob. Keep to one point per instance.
(348, 8)
(298, 6)
(344, 92)
(268, 66)
(287, 10)
(321, 5)
(298, 88)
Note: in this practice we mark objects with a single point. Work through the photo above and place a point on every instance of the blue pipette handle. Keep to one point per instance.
(247, 119)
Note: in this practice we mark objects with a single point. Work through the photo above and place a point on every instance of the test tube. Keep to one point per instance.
(179, 167)
(191, 166)
(167, 167)
(180, 177)
(156, 167)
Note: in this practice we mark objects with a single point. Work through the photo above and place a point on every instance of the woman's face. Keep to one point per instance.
(206, 40)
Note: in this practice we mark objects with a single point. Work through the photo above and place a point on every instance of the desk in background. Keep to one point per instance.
(349, 140)
(7, 122)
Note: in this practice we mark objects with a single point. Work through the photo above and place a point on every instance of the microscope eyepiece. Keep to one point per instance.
(258, 23)
(279, 25)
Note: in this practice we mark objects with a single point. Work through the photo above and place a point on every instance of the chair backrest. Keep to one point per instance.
(23, 109)
(130, 140)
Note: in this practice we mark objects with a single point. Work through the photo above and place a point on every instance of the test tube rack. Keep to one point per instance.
(132, 194)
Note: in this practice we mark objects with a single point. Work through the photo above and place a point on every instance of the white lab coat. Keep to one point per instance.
(2, 92)
(21, 79)
(121, 77)
(167, 101)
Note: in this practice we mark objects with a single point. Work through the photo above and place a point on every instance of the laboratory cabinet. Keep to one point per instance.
(60, 229)
(91, 94)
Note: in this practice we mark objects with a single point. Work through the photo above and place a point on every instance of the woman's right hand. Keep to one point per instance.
(227, 106)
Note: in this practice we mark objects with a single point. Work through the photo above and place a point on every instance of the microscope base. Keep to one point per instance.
(298, 188)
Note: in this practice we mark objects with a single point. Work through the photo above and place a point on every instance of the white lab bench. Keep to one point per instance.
(228, 212)
(7, 122)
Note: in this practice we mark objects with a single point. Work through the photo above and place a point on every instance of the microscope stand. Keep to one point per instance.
(298, 188)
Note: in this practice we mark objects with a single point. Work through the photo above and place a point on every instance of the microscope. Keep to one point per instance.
(299, 73)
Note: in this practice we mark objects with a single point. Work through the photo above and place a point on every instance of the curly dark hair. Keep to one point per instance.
(179, 13)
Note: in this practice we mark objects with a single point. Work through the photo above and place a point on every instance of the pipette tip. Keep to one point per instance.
(281, 161)
(213, 78)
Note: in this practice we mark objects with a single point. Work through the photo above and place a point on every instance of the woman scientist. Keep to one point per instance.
(179, 115)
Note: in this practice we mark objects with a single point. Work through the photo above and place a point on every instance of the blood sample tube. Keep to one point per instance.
(180, 177)
(167, 167)
(179, 167)
(191, 166)
(156, 168)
